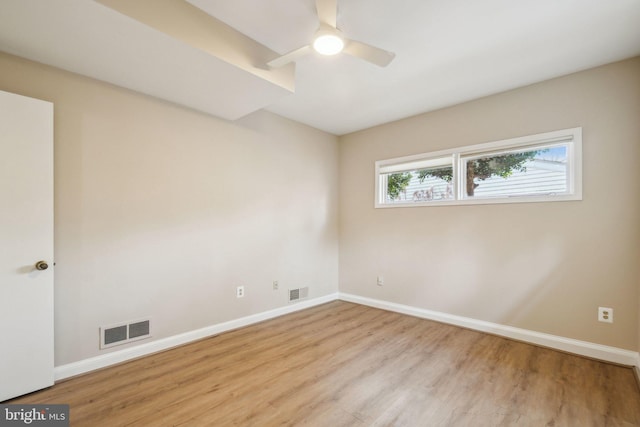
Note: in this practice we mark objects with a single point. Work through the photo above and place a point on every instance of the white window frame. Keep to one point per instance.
(571, 137)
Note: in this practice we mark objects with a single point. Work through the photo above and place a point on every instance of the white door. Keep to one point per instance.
(26, 237)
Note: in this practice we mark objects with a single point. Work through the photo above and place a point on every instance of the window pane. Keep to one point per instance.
(518, 173)
(419, 185)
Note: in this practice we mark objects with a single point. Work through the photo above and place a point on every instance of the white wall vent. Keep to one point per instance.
(298, 294)
(122, 333)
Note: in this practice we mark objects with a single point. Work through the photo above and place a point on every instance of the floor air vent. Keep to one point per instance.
(123, 333)
(298, 294)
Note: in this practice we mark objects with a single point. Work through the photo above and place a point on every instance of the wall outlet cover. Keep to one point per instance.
(605, 314)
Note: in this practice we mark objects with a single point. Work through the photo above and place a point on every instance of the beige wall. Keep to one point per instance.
(161, 211)
(539, 266)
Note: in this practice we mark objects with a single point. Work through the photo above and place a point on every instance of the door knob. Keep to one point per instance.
(41, 265)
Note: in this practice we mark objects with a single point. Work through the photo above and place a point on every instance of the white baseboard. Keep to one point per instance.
(636, 368)
(102, 361)
(583, 348)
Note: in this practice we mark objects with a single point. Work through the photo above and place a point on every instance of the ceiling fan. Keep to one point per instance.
(329, 40)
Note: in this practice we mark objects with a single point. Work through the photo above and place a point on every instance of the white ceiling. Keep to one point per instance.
(88, 38)
(447, 51)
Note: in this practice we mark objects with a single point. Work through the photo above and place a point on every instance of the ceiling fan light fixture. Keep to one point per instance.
(329, 40)
(328, 44)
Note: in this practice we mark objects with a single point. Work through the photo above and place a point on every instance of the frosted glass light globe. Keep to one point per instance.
(328, 44)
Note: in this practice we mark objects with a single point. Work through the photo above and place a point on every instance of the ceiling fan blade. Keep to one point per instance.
(327, 11)
(289, 57)
(372, 54)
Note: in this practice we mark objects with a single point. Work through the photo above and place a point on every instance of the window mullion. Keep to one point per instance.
(457, 167)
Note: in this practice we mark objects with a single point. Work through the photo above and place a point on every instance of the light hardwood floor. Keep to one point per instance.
(342, 364)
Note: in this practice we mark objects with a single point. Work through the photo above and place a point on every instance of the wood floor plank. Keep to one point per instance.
(342, 364)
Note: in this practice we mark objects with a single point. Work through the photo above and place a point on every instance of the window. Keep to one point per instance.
(536, 168)
(419, 181)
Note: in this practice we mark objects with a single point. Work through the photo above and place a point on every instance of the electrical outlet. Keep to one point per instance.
(380, 280)
(605, 314)
(240, 291)
(275, 285)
